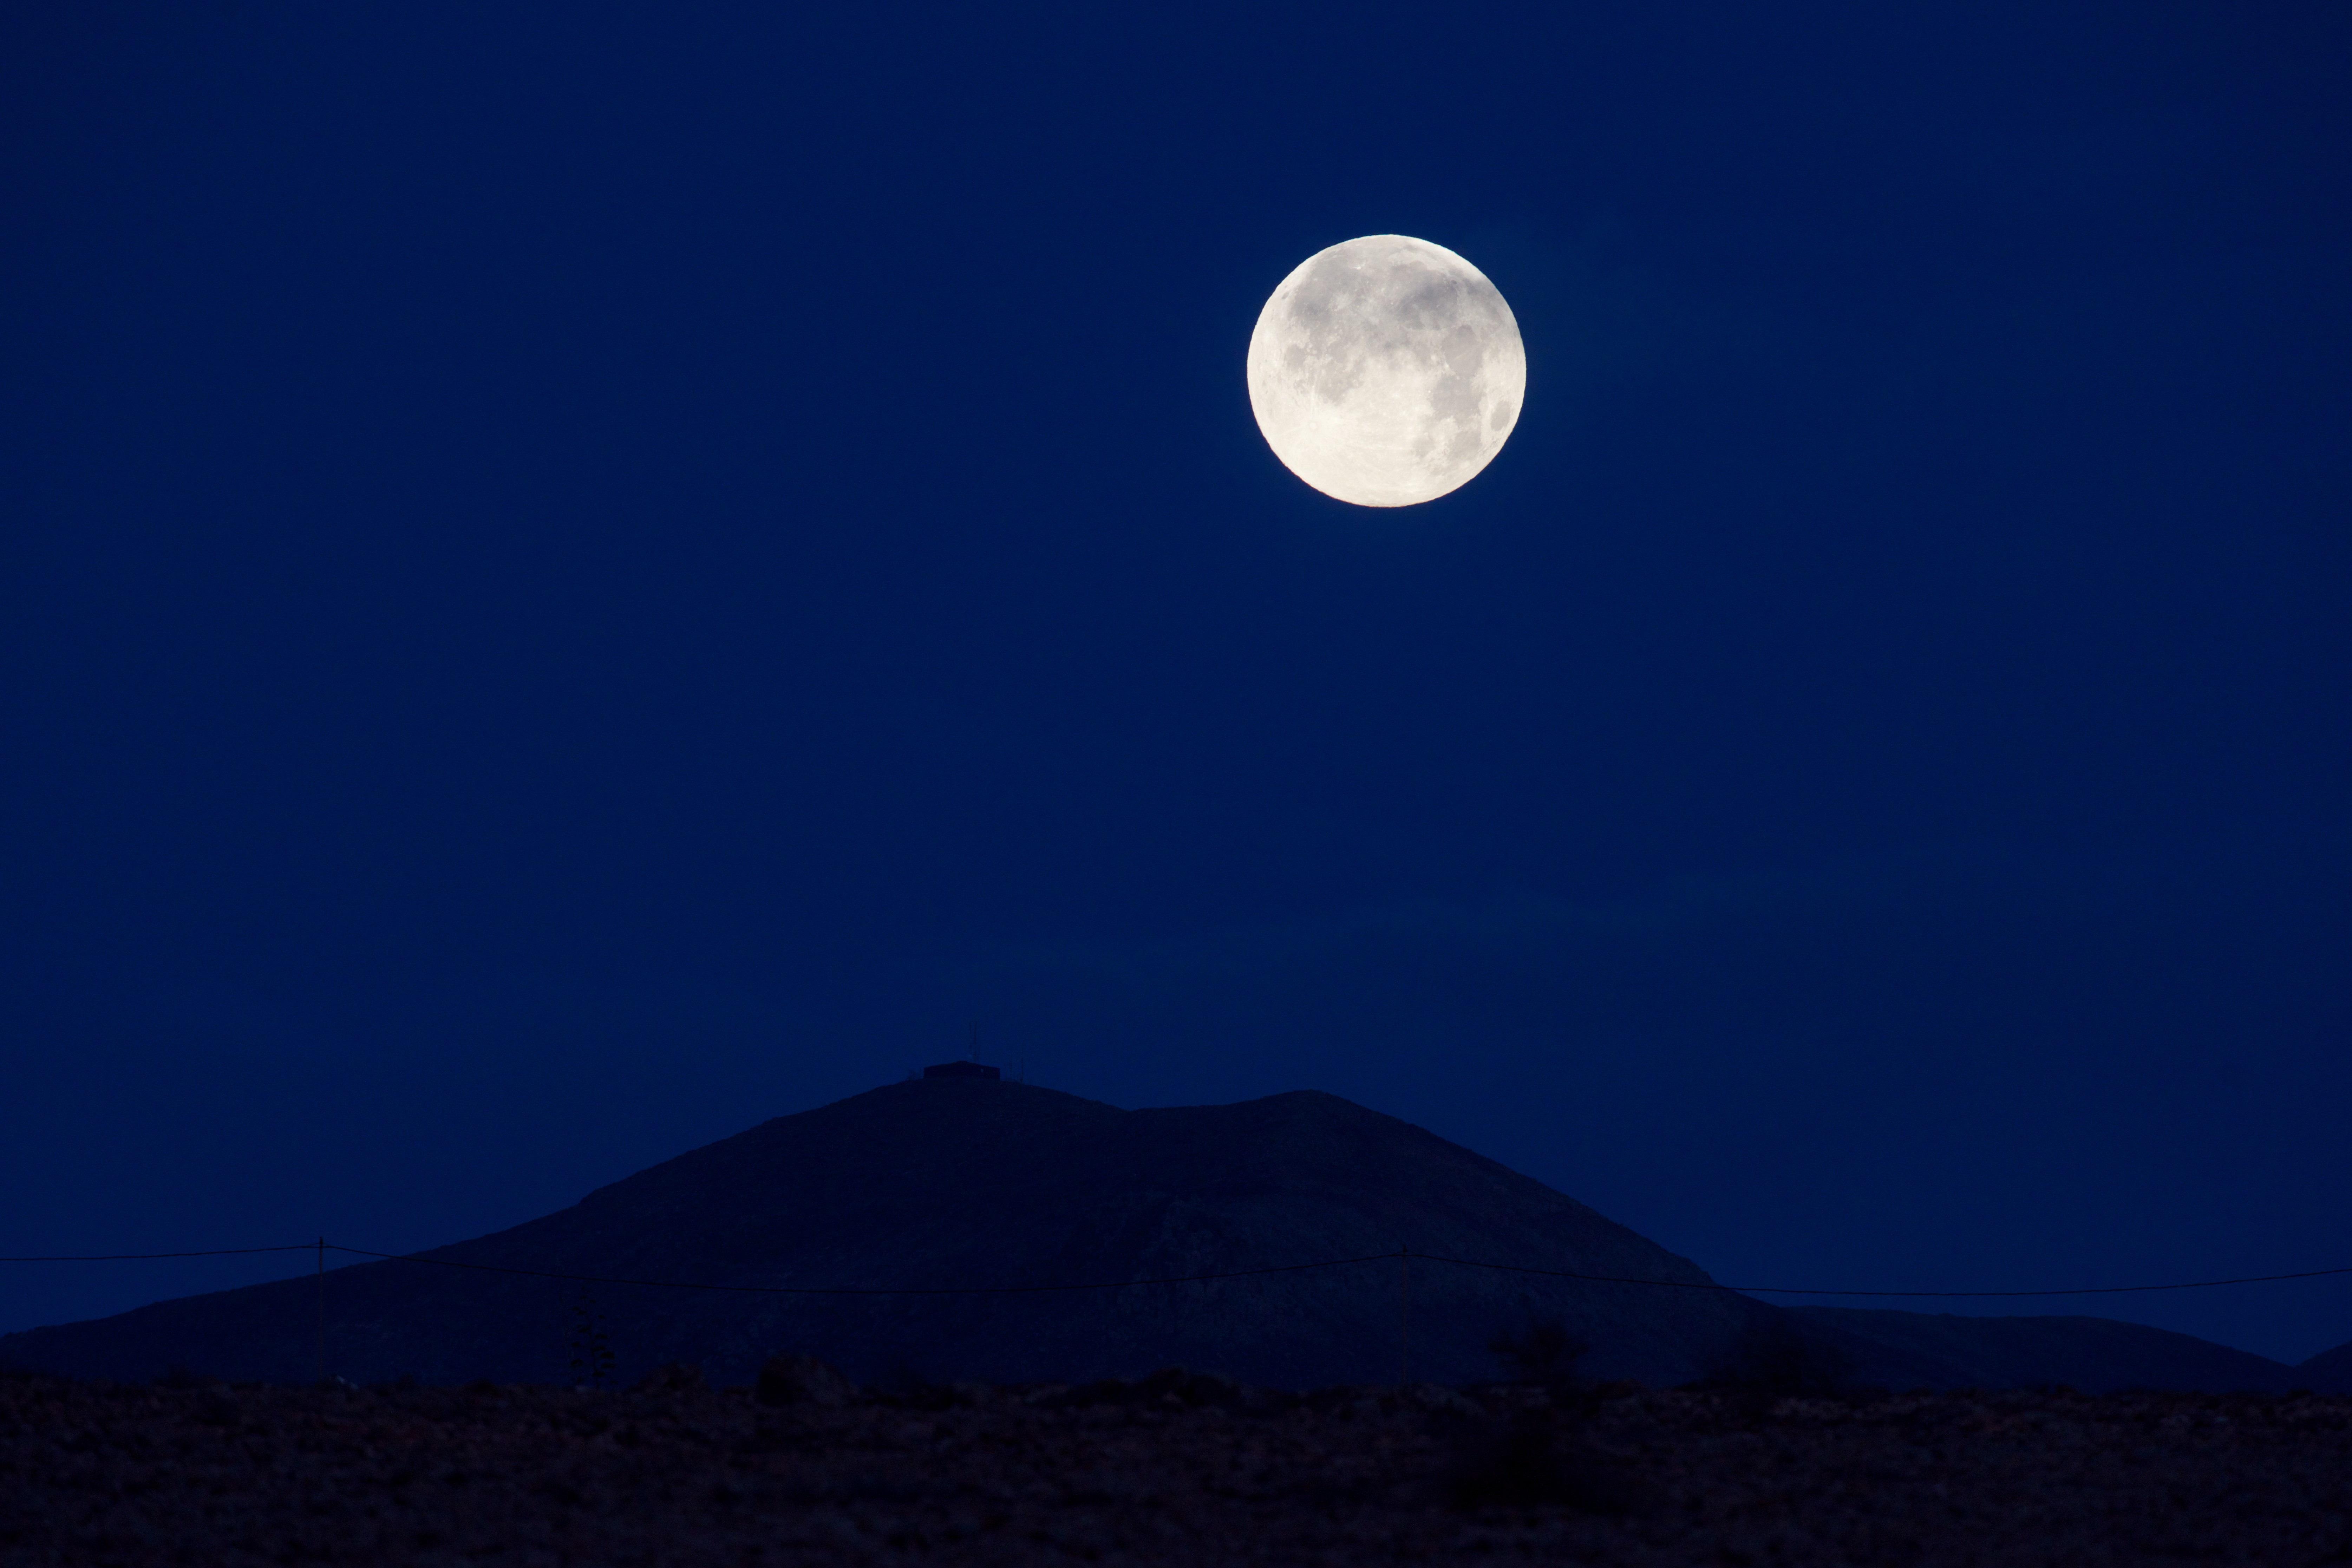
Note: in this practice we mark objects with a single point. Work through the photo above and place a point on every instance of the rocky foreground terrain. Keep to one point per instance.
(1171, 1469)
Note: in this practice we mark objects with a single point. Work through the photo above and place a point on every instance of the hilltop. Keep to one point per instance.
(952, 1183)
(947, 1183)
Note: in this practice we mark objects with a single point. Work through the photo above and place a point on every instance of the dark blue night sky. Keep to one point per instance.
(580, 577)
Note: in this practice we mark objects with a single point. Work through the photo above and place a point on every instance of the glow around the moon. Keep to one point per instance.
(1386, 370)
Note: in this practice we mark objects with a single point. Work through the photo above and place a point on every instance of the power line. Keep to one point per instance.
(1326, 1263)
(145, 1257)
(1915, 1295)
(862, 1290)
(1181, 1278)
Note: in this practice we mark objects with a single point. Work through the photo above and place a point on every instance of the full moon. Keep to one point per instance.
(1386, 370)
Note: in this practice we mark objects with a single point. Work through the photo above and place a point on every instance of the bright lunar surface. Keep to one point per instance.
(1386, 370)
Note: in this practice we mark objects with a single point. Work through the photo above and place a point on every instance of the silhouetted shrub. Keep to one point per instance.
(1531, 1459)
(679, 1377)
(802, 1380)
(1171, 1385)
(592, 1348)
(905, 1388)
(1544, 1354)
(1774, 1358)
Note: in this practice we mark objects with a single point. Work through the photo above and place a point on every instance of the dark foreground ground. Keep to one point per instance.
(1170, 1470)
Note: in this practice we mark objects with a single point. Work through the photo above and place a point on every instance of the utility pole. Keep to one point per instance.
(1404, 1316)
(322, 1311)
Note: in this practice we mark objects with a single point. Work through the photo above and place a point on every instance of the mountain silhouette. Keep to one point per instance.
(954, 1181)
(2094, 1355)
(2329, 1371)
(961, 1182)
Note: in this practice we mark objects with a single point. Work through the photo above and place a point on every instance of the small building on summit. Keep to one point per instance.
(961, 1069)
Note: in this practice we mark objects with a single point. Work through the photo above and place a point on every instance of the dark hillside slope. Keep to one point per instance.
(2329, 1371)
(2093, 1355)
(964, 1183)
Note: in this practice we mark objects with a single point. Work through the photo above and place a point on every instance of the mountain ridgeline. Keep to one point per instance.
(927, 1189)
(954, 1183)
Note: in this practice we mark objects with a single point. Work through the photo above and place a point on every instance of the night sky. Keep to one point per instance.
(580, 577)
